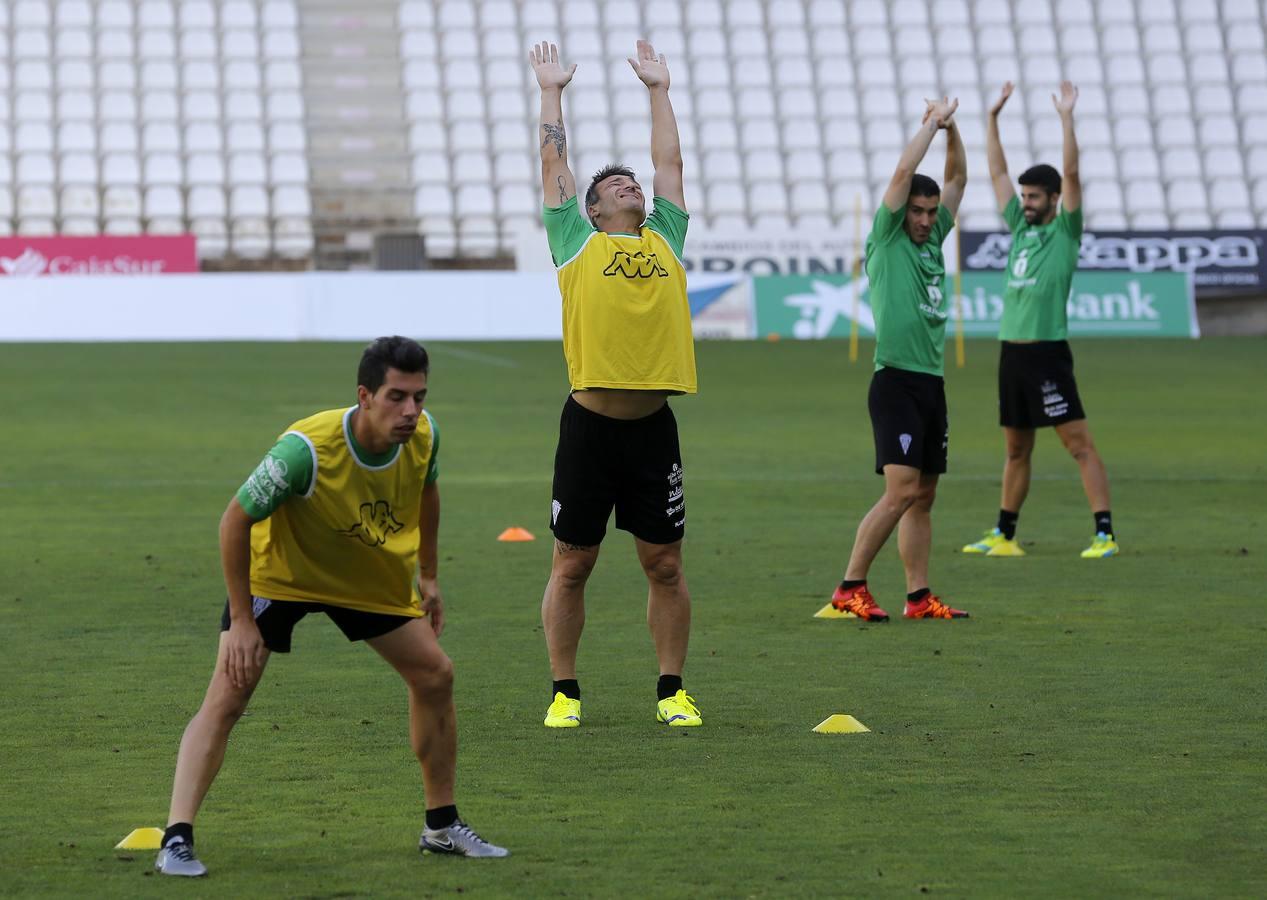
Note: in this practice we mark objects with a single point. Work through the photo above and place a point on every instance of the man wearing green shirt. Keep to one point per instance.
(1036, 383)
(907, 400)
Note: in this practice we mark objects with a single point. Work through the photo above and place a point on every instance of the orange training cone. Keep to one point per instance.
(515, 533)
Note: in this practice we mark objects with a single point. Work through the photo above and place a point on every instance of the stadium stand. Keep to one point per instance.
(299, 128)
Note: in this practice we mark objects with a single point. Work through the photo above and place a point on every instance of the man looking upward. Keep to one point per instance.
(1036, 383)
(628, 343)
(907, 399)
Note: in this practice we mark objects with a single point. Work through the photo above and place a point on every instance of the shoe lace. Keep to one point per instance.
(461, 830)
(181, 851)
(686, 702)
(937, 609)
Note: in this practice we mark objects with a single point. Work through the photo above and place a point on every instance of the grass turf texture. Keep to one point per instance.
(1096, 728)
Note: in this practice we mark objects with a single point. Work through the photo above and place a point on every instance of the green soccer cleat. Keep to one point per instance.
(1102, 546)
(995, 544)
(678, 710)
(564, 712)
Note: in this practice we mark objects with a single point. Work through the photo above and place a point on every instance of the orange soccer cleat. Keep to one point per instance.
(931, 607)
(858, 600)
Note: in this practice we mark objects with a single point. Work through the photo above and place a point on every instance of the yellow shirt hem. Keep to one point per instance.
(637, 386)
(272, 592)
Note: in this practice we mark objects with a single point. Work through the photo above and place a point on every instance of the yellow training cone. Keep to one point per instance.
(515, 533)
(830, 612)
(840, 724)
(142, 839)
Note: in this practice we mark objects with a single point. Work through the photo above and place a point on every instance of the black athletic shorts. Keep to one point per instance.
(908, 419)
(1036, 385)
(634, 465)
(277, 619)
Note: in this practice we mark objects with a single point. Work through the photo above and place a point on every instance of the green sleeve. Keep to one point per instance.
(433, 465)
(286, 469)
(887, 225)
(1071, 223)
(668, 220)
(1013, 215)
(566, 230)
(942, 227)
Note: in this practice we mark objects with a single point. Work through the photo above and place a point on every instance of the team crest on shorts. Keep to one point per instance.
(905, 441)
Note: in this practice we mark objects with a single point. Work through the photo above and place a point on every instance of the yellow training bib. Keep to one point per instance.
(352, 540)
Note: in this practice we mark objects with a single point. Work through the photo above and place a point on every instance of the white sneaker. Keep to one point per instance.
(178, 858)
(458, 839)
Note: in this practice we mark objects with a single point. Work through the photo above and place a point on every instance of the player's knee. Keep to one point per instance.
(227, 706)
(665, 571)
(1080, 449)
(924, 499)
(901, 496)
(573, 571)
(1019, 452)
(431, 676)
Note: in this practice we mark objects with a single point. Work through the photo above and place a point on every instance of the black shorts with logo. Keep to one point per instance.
(1036, 385)
(276, 620)
(908, 419)
(633, 465)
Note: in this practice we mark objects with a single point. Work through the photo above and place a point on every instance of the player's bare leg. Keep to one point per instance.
(901, 488)
(1076, 437)
(668, 603)
(915, 534)
(563, 606)
(203, 744)
(1017, 466)
(413, 651)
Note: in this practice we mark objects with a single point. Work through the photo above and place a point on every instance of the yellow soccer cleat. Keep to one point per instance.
(678, 710)
(995, 544)
(564, 712)
(1102, 546)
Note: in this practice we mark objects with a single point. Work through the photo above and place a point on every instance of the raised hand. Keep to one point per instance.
(652, 70)
(544, 59)
(998, 104)
(940, 111)
(1068, 97)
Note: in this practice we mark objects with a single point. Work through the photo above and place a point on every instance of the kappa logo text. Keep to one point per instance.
(376, 525)
(639, 265)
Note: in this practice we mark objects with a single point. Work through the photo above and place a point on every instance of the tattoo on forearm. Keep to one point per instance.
(554, 135)
(563, 192)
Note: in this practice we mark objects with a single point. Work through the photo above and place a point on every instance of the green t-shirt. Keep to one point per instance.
(288, 468)
(1040, 271)
(568, 230)
(907, 283)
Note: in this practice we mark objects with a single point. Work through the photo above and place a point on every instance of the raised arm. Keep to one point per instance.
(1071, 181)
(956, 175)
(666, 151)
(557, 182)
(900, 186)
(999, 178)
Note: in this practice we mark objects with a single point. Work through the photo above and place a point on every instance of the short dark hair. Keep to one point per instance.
(607, 171)
(923, 186)
(385, 353)
(1043, 176)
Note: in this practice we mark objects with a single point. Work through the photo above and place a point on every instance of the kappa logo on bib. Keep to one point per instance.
(376, 525)
(637, 265)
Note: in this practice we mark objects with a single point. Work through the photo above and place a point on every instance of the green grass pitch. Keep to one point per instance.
(1095, 729)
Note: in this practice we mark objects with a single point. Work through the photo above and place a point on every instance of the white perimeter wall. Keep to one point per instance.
(279, 307)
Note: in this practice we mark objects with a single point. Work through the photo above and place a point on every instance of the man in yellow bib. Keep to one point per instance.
(628, 343)
(337, 519)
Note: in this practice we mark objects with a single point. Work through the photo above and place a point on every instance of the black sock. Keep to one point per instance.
(667, 686)
(182, 830)
(1007, 523)
(568, 688)
(848, 583)
(917, 596)
(442, 817)
(1104, 522)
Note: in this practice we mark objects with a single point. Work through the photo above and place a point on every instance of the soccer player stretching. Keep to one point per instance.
(907, 400)
(628, 343)
(337, 519)
(1036, 383)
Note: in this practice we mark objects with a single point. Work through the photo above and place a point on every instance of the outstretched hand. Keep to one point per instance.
(941, 111)
(652, 70)
(999, 104)
(1068, 97)
(544, 59)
